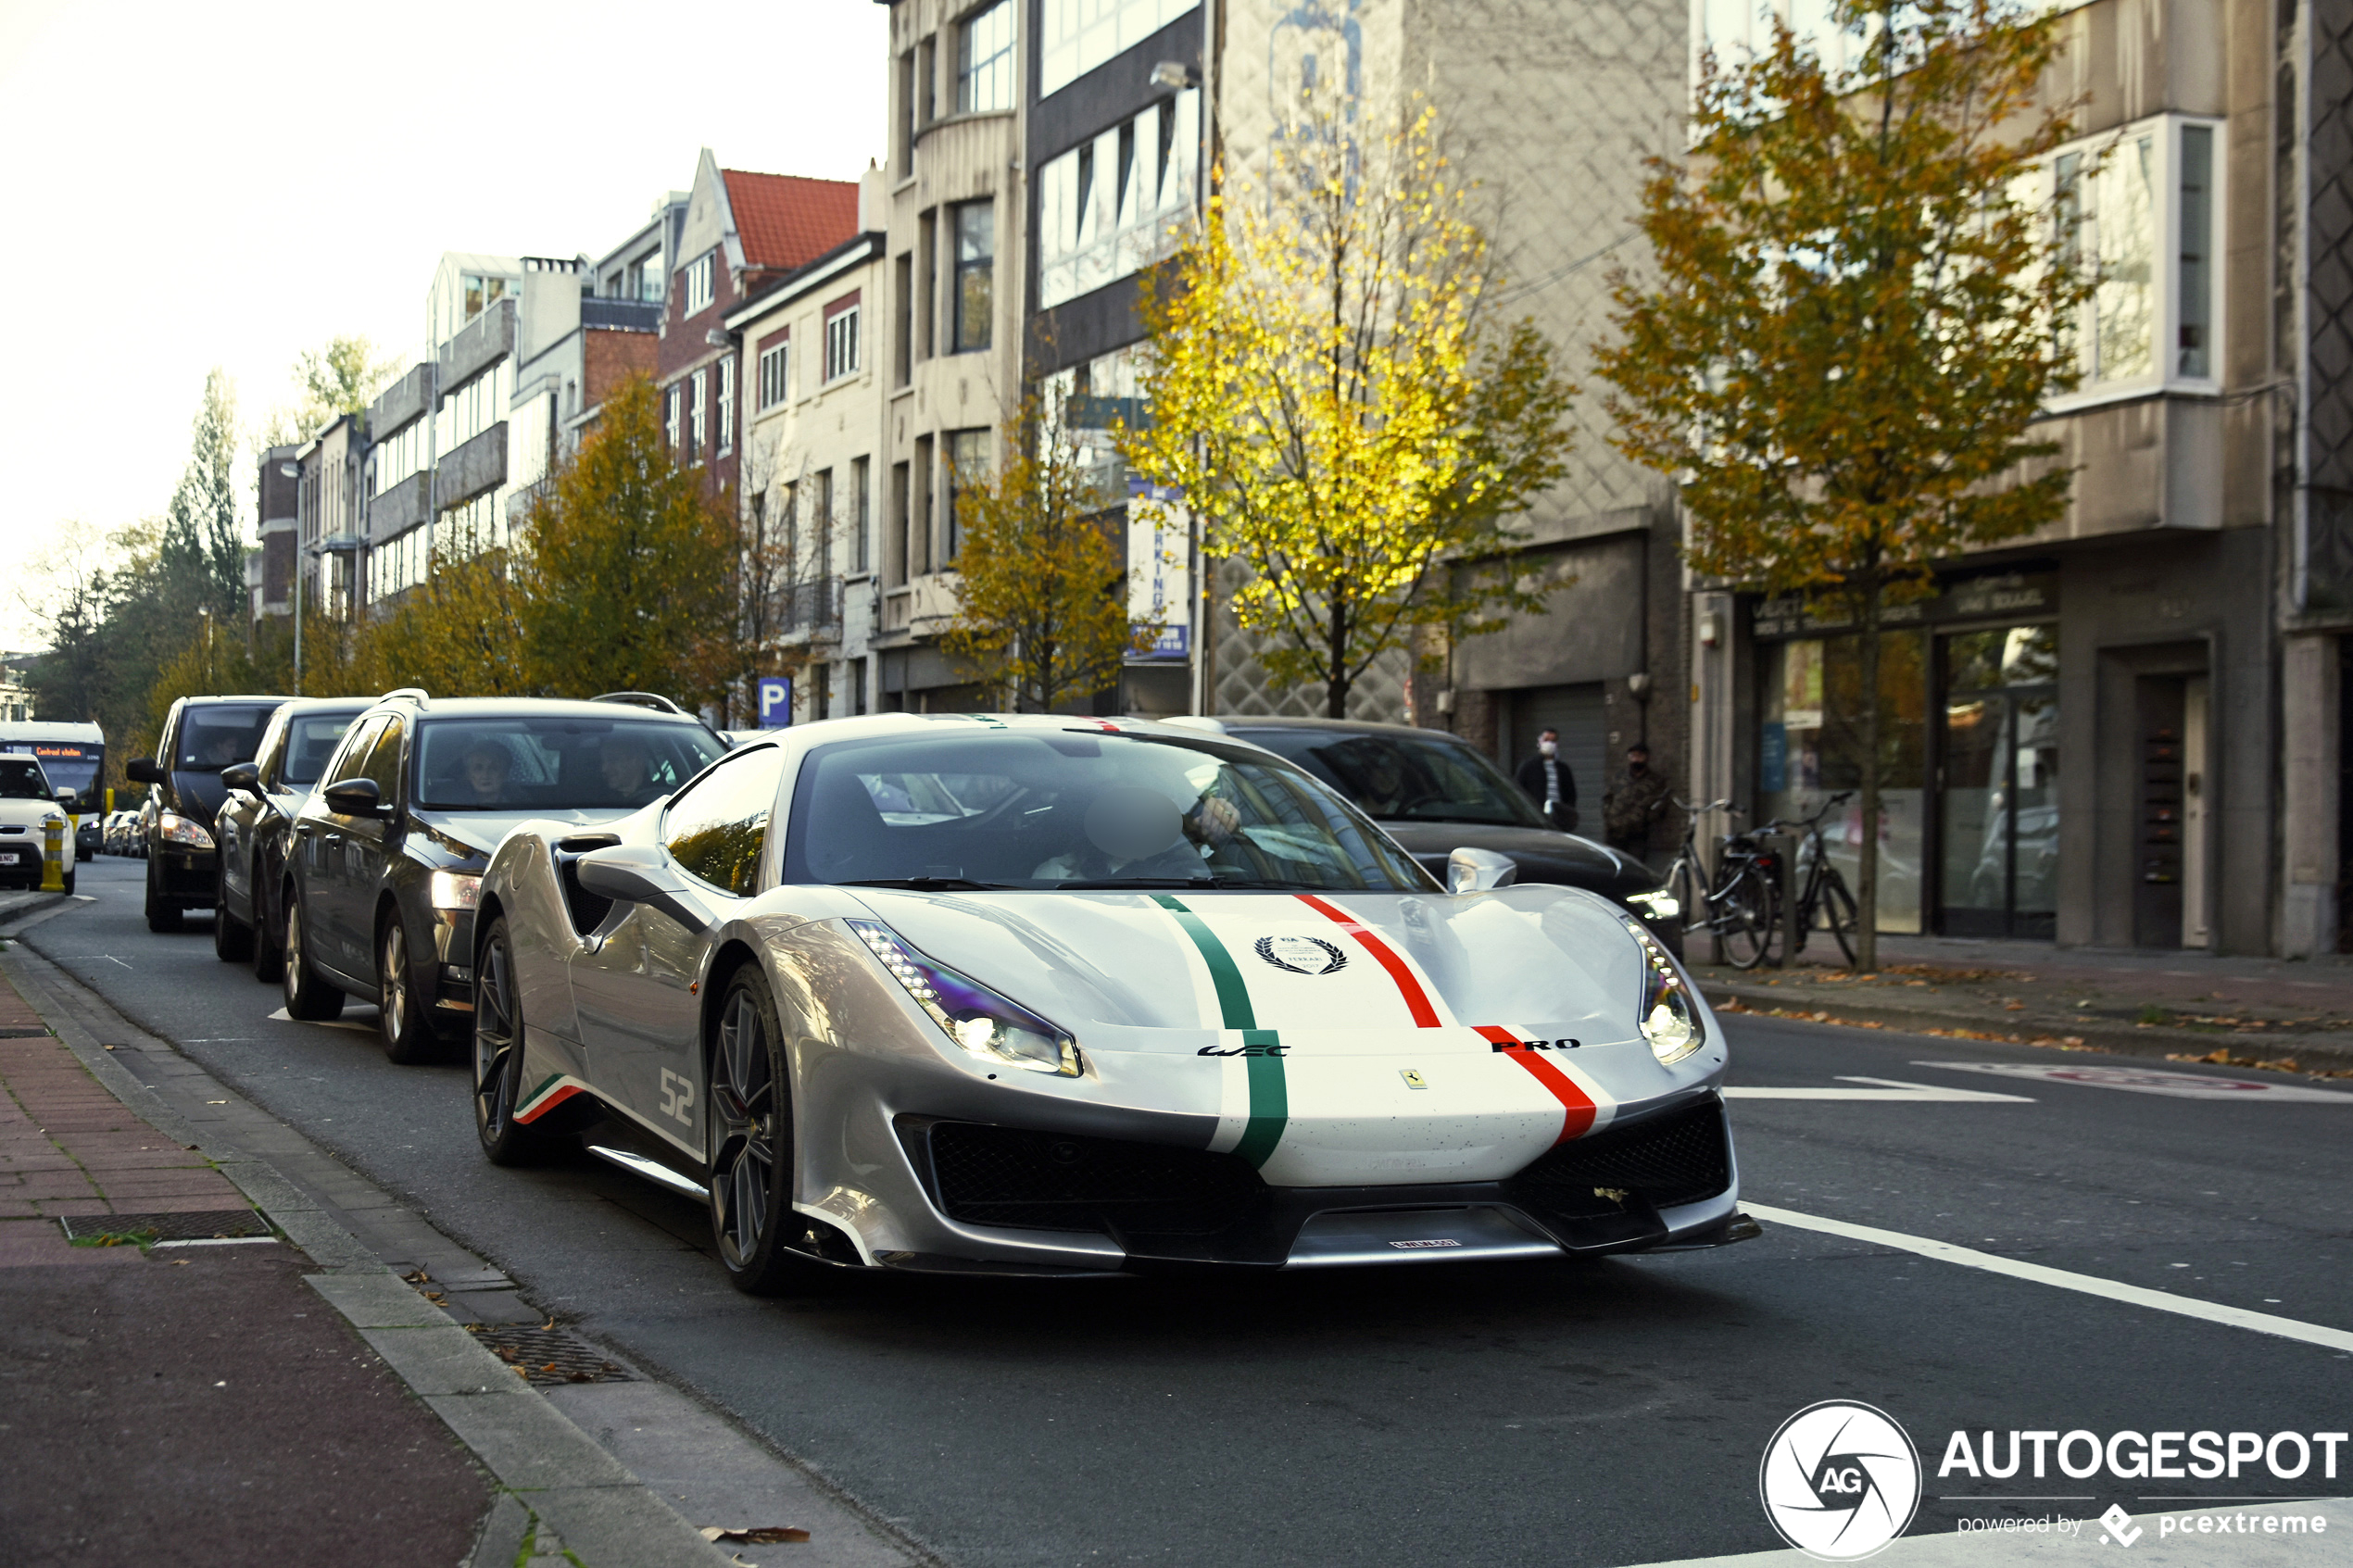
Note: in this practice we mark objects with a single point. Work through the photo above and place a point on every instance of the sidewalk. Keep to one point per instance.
(2259, 1012)
(186, 1402)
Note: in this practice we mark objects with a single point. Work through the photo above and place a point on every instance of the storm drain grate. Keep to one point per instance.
(550, 1355)
(203, 1225)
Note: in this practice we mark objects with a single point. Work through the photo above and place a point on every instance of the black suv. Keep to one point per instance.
(251, 826)
(1434, 792)
(201, 736)
(384, 862)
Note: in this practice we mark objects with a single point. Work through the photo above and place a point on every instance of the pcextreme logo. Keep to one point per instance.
(1840, 1481)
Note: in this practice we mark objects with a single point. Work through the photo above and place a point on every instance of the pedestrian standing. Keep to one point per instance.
(1548, 782)
(1633, 803)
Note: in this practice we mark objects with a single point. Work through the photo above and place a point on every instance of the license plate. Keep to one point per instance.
(7, 858)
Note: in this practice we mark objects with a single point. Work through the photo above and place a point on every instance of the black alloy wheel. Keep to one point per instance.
(498, 1057)
(232, 938)
(162, 913)
(403, 1021)
(751, 1166)
(309, 995)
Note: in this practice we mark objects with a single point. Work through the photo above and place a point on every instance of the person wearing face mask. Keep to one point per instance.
(1633, 803)
(1546, 778)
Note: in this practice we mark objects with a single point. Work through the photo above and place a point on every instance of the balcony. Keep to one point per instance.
(407, 399)
(810, 611)
(400, 508)
(478, 466)
(621, 315)
(481, 344)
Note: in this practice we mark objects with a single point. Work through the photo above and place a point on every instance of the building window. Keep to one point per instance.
(842, 338)
(669, 418)
(967, 465)
(702, 273)
(861, 529)
(1077, 35)
(727, 405)
(1113, 206)
(975, 269)
(984, 60)
(772, 368)
(2143, 218)
(698, 386)
(858, 687)
(645, 277)
(905, 130)
(481, 292)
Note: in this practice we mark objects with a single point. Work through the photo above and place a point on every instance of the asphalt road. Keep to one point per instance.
(1605, 1415)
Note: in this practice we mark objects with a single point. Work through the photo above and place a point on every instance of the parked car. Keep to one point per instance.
(201, 736)
(263, 796)
(1030, 995)
(1434, 794)
(384, 858)
(28, 806)
(117, 837)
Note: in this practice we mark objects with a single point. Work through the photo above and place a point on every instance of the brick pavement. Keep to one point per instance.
(67, 1147)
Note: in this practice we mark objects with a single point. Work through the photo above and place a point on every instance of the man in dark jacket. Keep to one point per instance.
(1546, 779)
(1633, 803)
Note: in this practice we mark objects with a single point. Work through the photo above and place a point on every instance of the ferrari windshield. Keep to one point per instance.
(1405, 778)
(1077, 809)
(532, 763)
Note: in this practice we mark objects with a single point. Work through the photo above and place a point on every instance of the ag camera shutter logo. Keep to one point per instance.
(1840, 1481)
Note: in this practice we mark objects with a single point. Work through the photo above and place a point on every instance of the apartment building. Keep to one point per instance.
(2126, 730)
(330, 533)
(807, 474)
(740, 232)
(956, 204)
(270, 572)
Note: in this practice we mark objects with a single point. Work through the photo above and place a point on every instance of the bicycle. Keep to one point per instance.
(1742, 900)
(1822, 892)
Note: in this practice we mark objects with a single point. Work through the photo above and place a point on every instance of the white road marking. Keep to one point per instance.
(2151, 1081)
(1892, 1089)
(2064, 1279)
(280, 1016)
(221, 1241)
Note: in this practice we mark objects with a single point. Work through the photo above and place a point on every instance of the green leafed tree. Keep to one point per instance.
(624, 567)
(342, 376)
(1043, 572)
(1855, 308)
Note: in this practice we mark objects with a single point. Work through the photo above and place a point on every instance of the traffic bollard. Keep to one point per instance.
(53, 871)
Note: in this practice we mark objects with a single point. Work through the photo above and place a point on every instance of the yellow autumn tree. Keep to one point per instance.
(1043, 575)
(1340, 409)
(1855, 311)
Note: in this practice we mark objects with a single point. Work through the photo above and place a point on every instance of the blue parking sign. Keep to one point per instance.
(775, 701)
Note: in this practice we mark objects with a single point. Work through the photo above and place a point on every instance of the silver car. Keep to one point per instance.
(1048, 995)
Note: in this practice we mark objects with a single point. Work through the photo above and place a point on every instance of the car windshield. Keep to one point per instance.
(310, 740)
(1076, 810)
(212, 738)
(22, 780)
(1405, 778)
(529, 763)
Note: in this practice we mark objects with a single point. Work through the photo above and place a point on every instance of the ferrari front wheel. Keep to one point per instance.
(750, 1102)
(499, 1055)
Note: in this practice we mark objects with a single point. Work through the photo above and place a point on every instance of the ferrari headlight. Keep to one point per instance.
(187, 831)
(455, 890)
(974, 1016)
(1669, 1017)
(1657, 904)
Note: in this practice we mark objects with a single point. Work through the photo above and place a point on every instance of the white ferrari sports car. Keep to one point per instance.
(1053, 995)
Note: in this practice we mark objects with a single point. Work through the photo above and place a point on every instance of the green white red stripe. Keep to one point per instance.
(553, 1091)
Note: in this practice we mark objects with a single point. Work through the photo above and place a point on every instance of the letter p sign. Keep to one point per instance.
(775, 701)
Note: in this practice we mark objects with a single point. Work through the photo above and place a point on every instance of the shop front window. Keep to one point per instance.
(1999, 812)
(1810, 747)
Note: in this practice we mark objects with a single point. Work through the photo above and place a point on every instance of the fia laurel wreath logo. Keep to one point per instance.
(1840, 1480)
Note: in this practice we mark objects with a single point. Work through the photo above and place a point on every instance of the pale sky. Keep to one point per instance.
(232, 181)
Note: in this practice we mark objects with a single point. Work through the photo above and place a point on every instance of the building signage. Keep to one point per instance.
(2009, 596)
(1159, 581)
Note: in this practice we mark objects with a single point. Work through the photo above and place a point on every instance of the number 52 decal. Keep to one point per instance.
(677, 1095)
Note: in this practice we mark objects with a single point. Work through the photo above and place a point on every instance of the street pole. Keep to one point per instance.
(294, 472)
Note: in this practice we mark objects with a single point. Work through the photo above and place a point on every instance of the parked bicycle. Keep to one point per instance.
(1741, 900)
(1821, 892)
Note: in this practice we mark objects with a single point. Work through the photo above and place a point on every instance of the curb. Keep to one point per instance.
(550, 1477)
(2125, 1040)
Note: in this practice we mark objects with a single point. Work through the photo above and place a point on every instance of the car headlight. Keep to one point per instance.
(1669, 1017)
(1657, 904)
(186, 832)
(974, 1016)
(455, 890)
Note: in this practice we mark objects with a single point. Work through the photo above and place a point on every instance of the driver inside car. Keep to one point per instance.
(1133, 830)
(481, 777)
(627, 771)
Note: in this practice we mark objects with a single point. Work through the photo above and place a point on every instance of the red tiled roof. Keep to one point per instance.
(786, 220)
